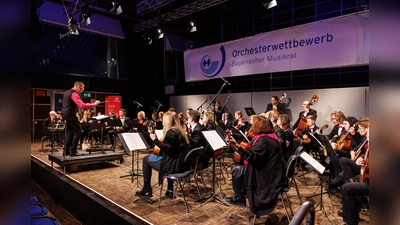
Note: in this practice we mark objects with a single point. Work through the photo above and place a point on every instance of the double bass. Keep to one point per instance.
(303, 121)
(279, 101)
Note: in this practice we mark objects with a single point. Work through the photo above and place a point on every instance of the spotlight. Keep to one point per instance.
(269, 4)
(116, 7)
(160, 34)
(85, 15)
(193, 28)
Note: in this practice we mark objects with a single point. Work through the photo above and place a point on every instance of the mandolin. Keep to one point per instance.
(152, 129)
(303, 121)
(308, 140)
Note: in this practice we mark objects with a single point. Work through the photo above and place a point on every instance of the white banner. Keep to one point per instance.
(337, 42)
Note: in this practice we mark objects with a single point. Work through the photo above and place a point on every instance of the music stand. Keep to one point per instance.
(325, 141)
(133, 142)
(320, 169)
(216, 142)
(94, 125)
(250, 111)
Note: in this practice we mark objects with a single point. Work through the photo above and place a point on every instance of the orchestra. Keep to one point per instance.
(345, 139)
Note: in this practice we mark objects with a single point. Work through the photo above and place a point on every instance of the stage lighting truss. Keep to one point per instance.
(73, 28)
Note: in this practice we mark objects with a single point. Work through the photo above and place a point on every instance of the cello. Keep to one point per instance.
(303, 121)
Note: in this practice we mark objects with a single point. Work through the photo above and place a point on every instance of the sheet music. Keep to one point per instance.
(133, 141)
(314, 163)
(159, 133)
(214, 139)
(100, 117)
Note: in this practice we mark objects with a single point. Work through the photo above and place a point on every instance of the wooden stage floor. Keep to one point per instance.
(104, 178)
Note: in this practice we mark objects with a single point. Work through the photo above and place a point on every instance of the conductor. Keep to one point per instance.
(72, 100)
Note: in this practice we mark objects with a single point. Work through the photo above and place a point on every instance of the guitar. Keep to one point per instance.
(308, 140)
(303, 121)
(344, 142)
(244, 144)
(364, 172)
(152, 129)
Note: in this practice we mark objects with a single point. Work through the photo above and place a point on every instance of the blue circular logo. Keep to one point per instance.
(210, 68)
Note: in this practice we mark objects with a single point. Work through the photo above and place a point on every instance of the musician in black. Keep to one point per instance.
(49, 125)
(225, 122)
(218, 110)
(350, 139)
(306, 112)
(337, 118)
(113, 131)
(284, 123)
(240, 122)
(197, 139)
(263, 175)
(72, 100)
(350, 167)
(276, 105)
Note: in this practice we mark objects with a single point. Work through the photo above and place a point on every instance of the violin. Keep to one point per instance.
(303, 121)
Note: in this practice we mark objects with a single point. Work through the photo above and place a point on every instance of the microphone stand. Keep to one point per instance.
(158, 108)
(200, 108)
(213, 194)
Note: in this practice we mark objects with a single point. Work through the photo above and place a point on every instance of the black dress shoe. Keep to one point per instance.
(169, 194)
(336, 182)
(145, 192)
(236, 201)
(75, 154)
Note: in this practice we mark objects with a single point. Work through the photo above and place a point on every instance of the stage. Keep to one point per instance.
(92, 157)
(102, 179)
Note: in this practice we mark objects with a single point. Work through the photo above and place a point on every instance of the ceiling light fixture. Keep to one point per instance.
(85, 14)
(269, 4)
(160, 34)
(116, 7)
(192, 28)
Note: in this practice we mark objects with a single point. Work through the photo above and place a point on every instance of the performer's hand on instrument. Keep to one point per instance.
(352, 154)
(360, 161)
(153, 136)
(230, 140)
(334, 145)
